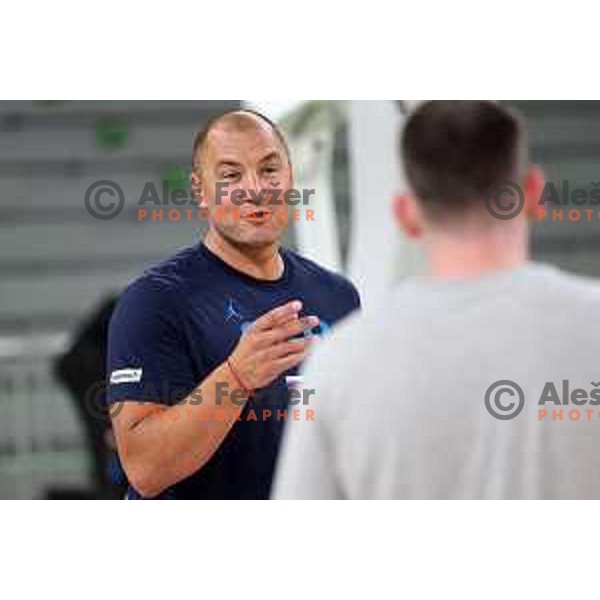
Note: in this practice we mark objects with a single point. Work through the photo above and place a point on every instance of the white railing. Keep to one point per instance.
(41, 438)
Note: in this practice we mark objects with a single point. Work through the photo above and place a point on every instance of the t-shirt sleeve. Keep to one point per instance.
(349, 298)
(147, 356)
(354, 298)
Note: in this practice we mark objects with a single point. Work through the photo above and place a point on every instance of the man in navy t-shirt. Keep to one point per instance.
(200, 345)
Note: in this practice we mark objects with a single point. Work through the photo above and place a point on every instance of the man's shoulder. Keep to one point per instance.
(317, 272)
(580, 285)
(558, 291)
(160, 283)
(174, 270)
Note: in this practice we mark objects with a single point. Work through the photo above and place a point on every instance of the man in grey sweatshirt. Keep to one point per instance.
(478, 379)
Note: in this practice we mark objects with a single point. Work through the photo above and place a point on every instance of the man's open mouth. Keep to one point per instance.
(258, 214)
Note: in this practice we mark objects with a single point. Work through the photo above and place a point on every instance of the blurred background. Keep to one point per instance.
(61, 268)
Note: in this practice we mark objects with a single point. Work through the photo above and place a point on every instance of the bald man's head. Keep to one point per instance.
(238, 120)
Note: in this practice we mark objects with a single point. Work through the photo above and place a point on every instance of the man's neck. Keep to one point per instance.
(473, 256)
(261, 263)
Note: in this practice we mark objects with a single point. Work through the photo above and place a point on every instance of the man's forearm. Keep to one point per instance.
(170, 443)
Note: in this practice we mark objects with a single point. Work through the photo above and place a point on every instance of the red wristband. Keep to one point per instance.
(238, 379)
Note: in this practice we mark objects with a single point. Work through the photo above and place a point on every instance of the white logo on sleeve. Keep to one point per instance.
(126, 376)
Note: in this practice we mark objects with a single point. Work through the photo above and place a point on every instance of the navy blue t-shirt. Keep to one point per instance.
(181, 319)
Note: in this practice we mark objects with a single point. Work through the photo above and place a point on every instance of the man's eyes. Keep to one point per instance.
(232, 175)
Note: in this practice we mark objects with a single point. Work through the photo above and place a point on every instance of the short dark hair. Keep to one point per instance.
(202, 135)
(454, 151)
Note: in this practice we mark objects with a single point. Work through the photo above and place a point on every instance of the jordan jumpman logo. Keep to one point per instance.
(231, 312)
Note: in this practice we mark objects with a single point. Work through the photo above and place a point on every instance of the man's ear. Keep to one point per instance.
(196, 189)
(408, 216)
(533, 188)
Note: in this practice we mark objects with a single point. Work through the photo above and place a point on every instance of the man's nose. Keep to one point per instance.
(253, 191)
